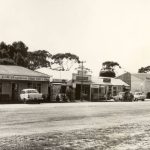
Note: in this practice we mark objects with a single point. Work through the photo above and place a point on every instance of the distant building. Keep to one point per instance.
(58, 81)
(106, 87)
(82, 82)
(137, 81)
(96, 88)
(15, 78)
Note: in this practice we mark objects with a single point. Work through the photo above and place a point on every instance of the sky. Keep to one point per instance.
(95, 30)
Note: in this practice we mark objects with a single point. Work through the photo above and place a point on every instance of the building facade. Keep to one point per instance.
(103, 88)
(15, 78)
(139, 82)
(96, 88)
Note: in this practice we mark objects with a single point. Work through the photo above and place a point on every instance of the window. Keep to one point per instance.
(63, 89)
(95, 90)
(39, 88)
(32, 91)
(29, 85)
(34, 85)
(114, 91)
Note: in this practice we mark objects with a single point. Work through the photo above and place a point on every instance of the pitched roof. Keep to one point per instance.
(141, 76)
(123, 74)
(99, 80)
(19, 71)
(67, 75)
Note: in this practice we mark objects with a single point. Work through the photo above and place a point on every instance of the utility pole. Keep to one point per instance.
(82, 67)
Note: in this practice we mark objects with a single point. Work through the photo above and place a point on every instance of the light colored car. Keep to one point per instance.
(119, 96)
(30, 95)
(139, 96)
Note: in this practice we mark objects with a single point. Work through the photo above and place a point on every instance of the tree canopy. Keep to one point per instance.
(14, 54)
(38, 59)
(144, 69)
(108, 69)
(64, 61)
(17, 54)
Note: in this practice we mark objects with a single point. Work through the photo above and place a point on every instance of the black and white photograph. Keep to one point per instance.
(74, 75)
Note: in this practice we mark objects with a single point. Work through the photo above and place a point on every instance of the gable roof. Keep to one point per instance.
(141, 76)
(19, 71)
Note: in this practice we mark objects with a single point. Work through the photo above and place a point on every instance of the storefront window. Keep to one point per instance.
(29, 85)
(39, 88)
(63, 89)
(95, 90)
(34, 86)
(114, 91)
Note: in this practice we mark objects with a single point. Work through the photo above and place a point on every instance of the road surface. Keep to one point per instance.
(26, 119)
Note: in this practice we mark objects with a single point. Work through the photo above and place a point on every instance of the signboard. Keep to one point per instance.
(94, 86)
(80, 78)
(59, 80)
(11, 77)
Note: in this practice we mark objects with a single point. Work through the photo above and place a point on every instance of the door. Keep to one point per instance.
(15, 92)
(78, 92)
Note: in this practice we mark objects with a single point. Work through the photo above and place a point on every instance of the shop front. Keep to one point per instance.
(81, 82)
(103, 88)
(15, 78)
(58, 89)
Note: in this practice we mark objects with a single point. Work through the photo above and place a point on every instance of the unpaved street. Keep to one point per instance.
(118, 120)
(34, 118)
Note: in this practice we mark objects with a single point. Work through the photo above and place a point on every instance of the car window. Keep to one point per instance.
(32, 91)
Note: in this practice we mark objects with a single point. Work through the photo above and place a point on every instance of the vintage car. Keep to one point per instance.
(31, 95)
(139, 96)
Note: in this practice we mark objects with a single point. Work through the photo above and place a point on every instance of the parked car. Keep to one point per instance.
(119, 96)
(139, 96)
(31, 95)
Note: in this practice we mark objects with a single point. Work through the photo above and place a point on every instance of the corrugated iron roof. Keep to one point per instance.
(20, 71)
(99, 80)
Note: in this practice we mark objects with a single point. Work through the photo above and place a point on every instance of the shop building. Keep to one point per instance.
(58, 81)
(15, 78)
(139, 82)
(104, 88)
(81, 83)
(84, 85)
(96, 88)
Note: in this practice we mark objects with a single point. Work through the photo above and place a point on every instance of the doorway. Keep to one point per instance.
(15, 92)
(85, 92)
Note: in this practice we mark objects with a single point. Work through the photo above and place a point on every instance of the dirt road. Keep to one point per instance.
(25, 119)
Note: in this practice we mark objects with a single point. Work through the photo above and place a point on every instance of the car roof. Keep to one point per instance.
(138, 92)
